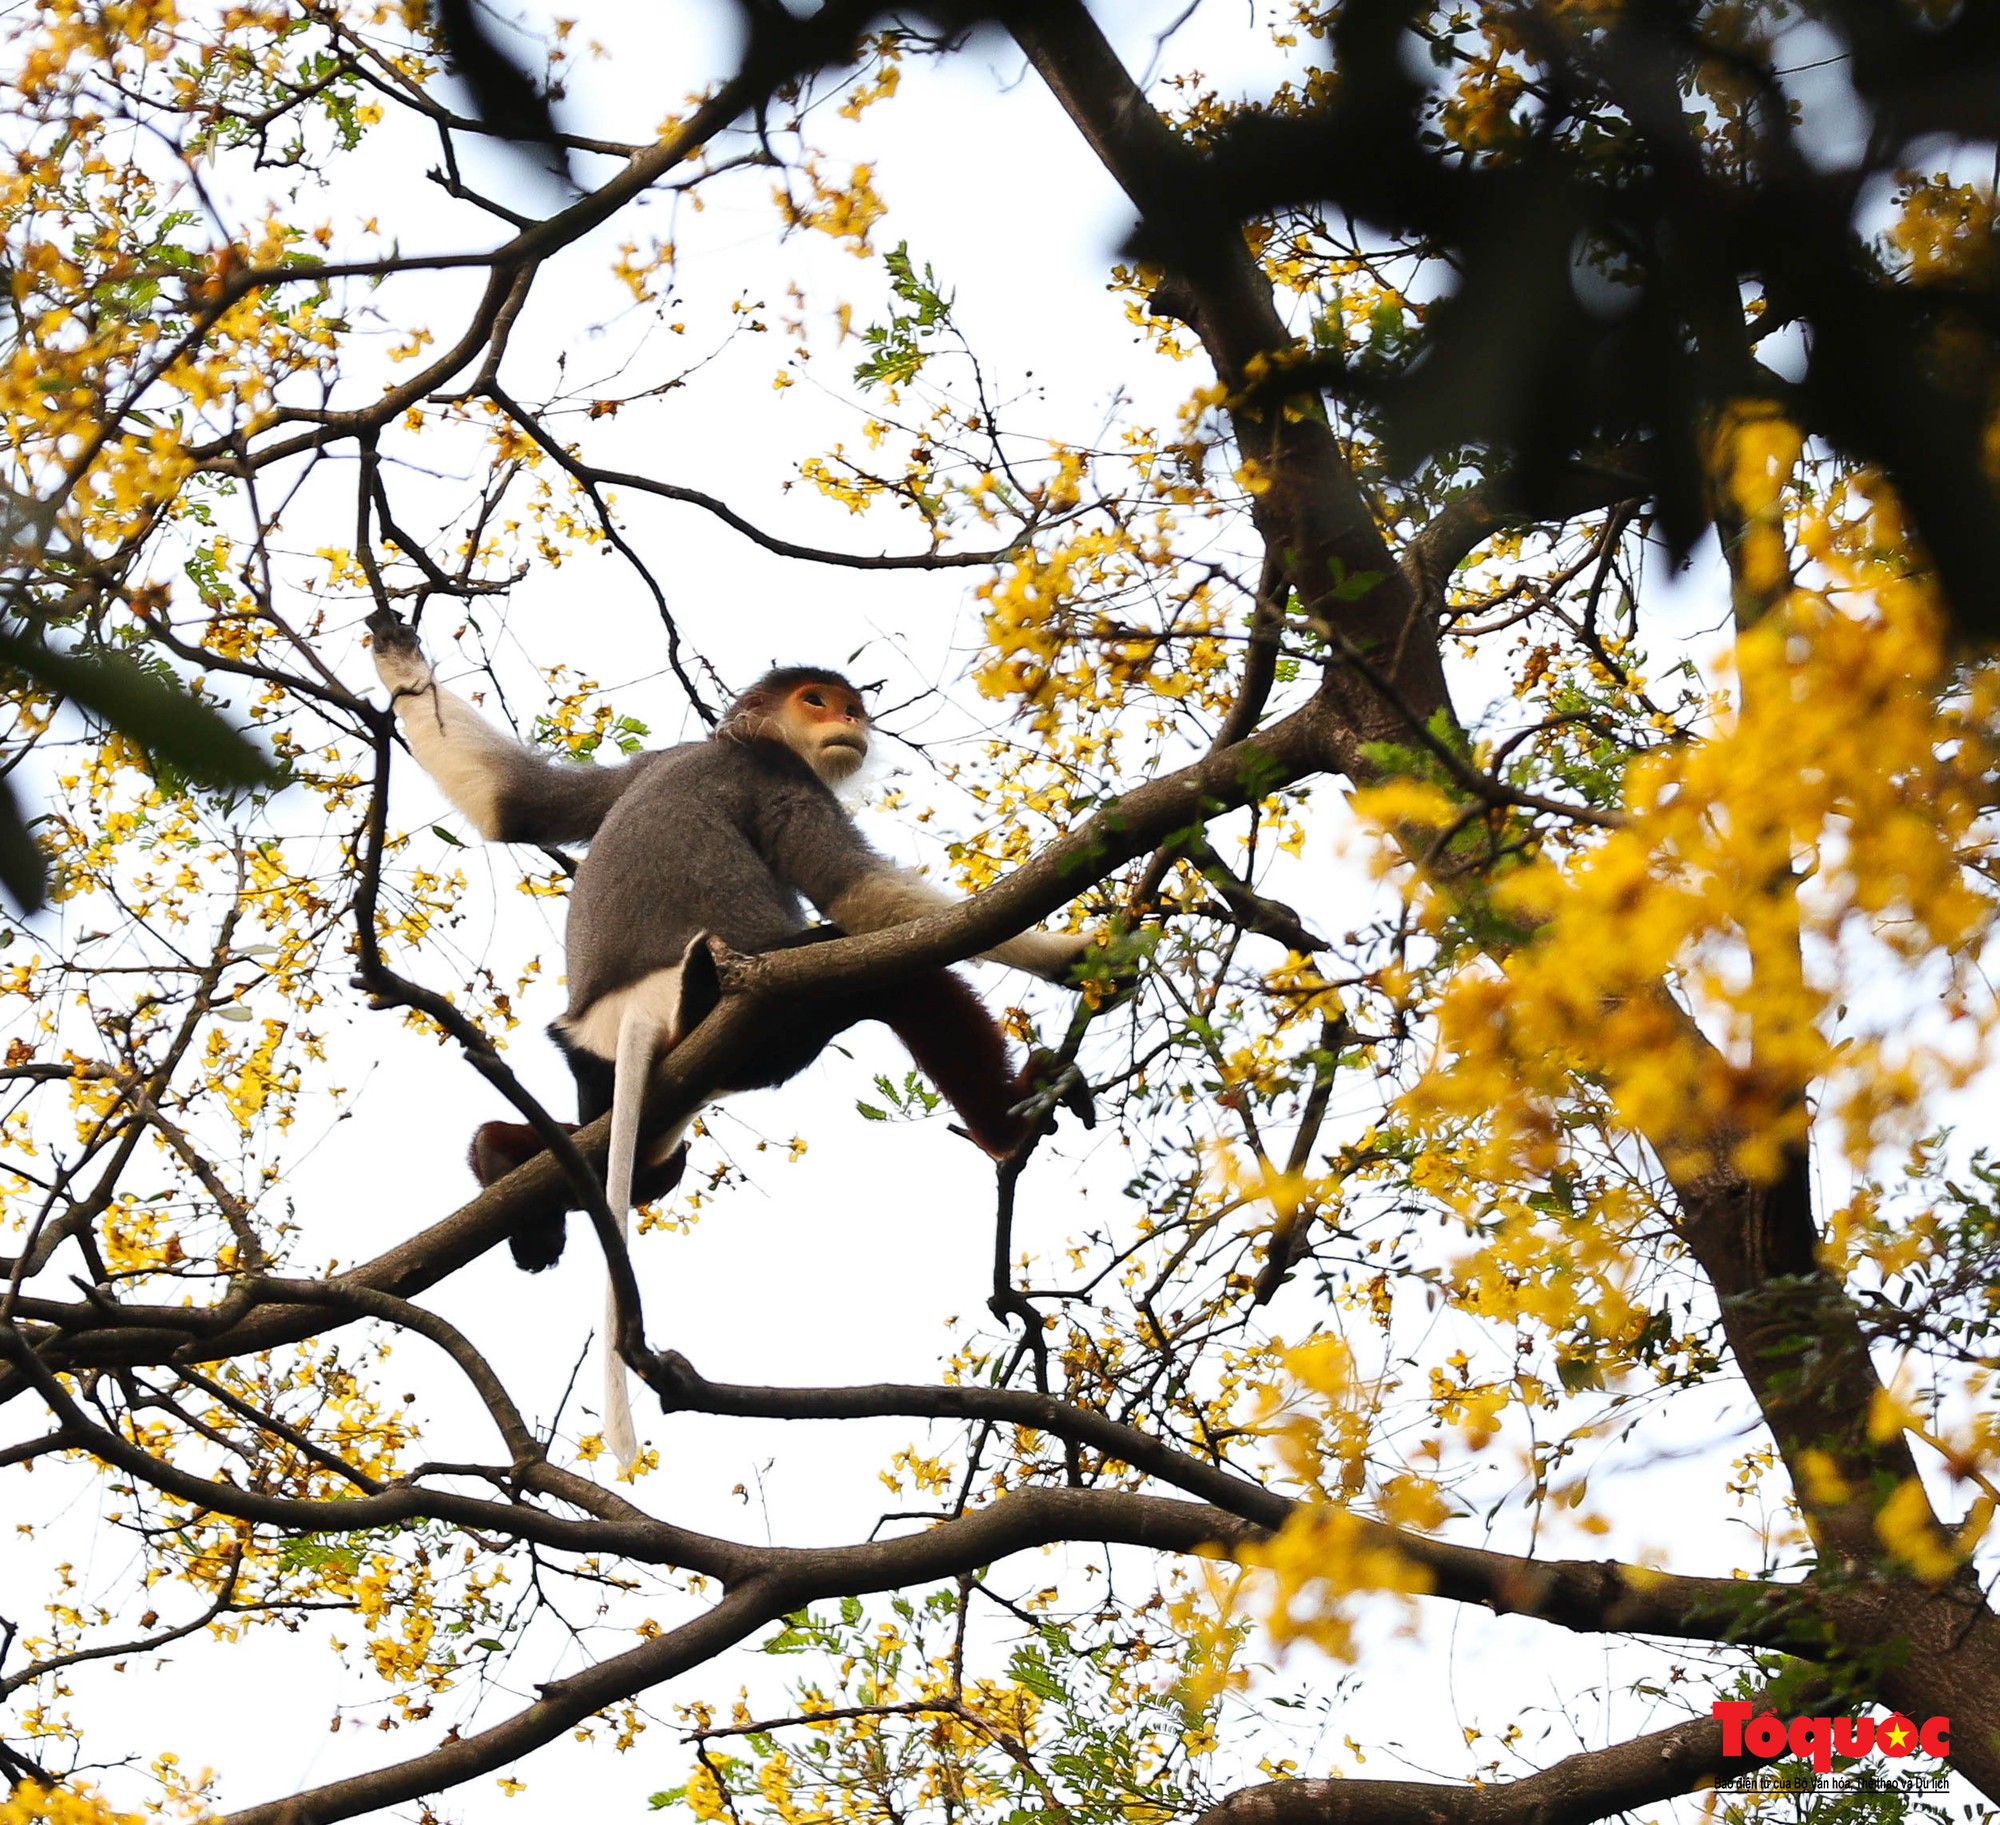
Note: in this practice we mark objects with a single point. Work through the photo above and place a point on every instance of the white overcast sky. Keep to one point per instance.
(850, 1265)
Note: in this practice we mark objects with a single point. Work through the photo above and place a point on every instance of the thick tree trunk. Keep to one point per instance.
(1929, 1652)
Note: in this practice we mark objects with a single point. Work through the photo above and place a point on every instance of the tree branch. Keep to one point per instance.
(1307, 505)
(1469, 519)
(1590, 1596)
(1576, 1791)
(562, 1705)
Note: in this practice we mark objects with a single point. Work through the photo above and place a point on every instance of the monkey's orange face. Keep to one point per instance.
(830, 728)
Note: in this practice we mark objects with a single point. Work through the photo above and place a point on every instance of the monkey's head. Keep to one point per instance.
(817, 714)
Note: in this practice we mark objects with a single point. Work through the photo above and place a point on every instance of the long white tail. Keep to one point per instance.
(639, 1034)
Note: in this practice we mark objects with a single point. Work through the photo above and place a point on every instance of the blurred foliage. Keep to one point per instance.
(1652, 211)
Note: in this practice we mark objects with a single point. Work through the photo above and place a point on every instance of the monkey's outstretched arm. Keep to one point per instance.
(509, 793)
(893, 895)
(816, 848)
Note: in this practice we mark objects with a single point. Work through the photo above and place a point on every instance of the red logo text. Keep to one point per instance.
(1822, 1738)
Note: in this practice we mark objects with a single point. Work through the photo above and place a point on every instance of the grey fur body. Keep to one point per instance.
(719, 836)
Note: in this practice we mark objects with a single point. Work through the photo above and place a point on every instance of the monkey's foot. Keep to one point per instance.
(537, 1244)
(1049, 1075)
(498, 1147)
(674, 1379)
(701, 985)
(655, 1179)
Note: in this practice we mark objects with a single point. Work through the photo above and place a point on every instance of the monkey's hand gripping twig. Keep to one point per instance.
(398, 654)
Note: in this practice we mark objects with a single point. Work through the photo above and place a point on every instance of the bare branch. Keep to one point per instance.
(1469, 519)
(1639, 1772)
(1585, 1595)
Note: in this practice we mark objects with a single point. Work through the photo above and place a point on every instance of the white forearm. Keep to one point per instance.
(897, 896)
(464, 753)
(1045, 954)
(452, 742)
(893, 897)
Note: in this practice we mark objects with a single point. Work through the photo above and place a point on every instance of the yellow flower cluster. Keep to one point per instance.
(1696, 962)
(847, 211)
(1321, 1415)
(31, 1803)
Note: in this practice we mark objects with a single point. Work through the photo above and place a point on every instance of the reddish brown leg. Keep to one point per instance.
(498, 1147)
(958, 1045)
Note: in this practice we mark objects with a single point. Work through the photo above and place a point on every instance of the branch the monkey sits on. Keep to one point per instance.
(725, 837)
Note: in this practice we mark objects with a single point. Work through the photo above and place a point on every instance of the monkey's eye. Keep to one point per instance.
(815, 700)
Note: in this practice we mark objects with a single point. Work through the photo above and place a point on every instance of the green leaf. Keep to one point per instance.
(899, 356)
(164, 718)
(1029, 1670)
(23, 871)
